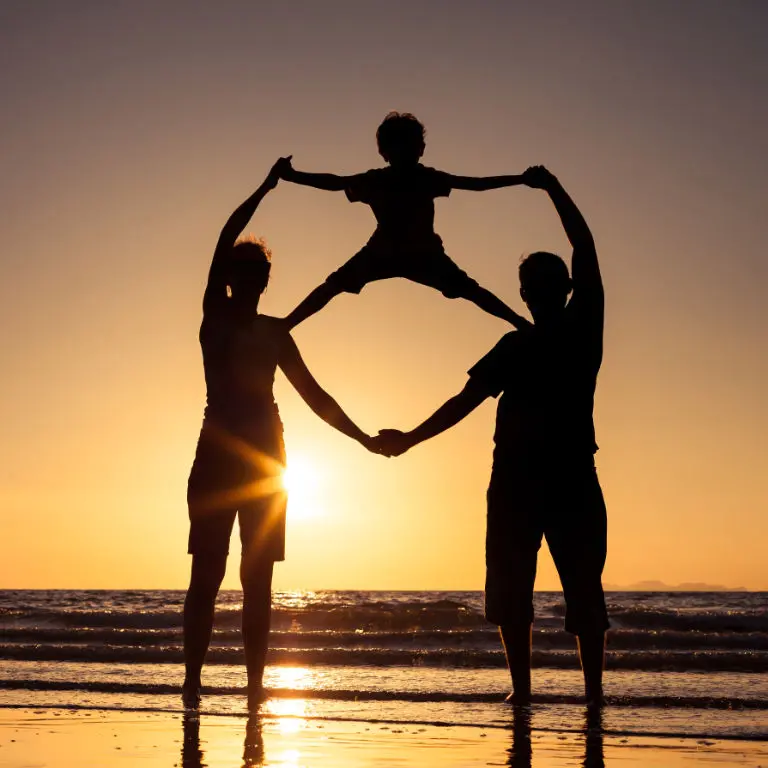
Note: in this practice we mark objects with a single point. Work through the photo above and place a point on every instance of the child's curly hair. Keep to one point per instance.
(400, 133)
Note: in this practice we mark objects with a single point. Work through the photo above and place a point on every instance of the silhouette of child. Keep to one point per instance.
(402, 197)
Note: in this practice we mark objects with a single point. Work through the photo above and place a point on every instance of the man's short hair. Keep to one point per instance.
(542, 269)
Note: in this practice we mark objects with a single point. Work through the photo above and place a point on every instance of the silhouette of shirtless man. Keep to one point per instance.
(240, 454)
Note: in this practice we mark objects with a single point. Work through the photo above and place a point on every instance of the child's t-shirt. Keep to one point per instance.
(402, 199)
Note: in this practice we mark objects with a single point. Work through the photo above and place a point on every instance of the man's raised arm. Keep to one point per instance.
(216, 288)
(585, 270)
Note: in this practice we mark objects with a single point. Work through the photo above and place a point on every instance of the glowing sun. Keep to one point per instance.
(302, 481)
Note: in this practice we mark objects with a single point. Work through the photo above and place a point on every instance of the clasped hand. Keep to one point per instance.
(389, 442)
(282, 169)
(538, 177)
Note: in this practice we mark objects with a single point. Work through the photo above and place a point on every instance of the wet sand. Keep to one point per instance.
(63, 738)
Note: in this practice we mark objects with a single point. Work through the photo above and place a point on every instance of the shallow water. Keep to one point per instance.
(688, 664)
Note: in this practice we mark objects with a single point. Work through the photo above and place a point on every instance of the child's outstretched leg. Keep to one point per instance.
(454, 283)
(493, 305)
(313, 303)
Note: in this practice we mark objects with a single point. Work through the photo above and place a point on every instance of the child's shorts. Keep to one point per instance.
(427, 264)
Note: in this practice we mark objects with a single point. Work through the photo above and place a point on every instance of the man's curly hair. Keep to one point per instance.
(400, 132)
(251, 248)
(252, 256)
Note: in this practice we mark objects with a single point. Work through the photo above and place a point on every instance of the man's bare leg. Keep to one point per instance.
(199, 605)
(592, 657)
(257, 610)
(517, 647)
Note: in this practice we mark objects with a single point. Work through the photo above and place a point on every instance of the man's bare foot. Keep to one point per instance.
(256, 697)
(518, 699)
(595, 702)
(190, 694)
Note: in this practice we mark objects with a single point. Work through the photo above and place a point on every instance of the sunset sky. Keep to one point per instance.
(129, 131)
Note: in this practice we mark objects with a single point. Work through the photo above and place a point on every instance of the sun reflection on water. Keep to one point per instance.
(292, 678)
(295, 598)
(289, 758)
(290, 714)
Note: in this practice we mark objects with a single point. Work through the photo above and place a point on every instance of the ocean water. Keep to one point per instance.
(679, 664)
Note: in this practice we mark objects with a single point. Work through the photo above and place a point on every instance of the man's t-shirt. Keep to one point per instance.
(402, 199)
(547, 378)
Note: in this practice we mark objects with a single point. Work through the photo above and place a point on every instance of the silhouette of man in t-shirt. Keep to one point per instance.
(544, 481)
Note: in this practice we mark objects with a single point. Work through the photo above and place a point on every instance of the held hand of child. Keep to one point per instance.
(283, 167)
(538, 177)
(275, 172)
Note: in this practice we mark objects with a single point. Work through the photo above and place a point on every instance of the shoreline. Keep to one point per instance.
(77, 709)
(66, 737)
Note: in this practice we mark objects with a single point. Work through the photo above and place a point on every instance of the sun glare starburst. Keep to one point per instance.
(302, 481)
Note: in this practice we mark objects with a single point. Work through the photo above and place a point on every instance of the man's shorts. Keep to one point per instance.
(427, 264)
(232, 477)
(566, 506)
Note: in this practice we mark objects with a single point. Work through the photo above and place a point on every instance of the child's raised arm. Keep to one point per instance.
(482, 183)
(328, 181)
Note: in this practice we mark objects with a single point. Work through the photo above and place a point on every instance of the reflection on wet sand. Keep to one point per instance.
(191, 752)
(520, 753)
(593, 732)
(193, 756)
(253, 751)
(287, 716)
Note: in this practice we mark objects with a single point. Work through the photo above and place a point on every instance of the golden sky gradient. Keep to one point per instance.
(129, 132)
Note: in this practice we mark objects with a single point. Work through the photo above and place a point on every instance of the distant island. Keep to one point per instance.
(660, 586)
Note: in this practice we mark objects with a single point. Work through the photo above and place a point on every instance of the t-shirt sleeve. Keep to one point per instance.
(360, 186)
(490, 372)
(439, 182)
